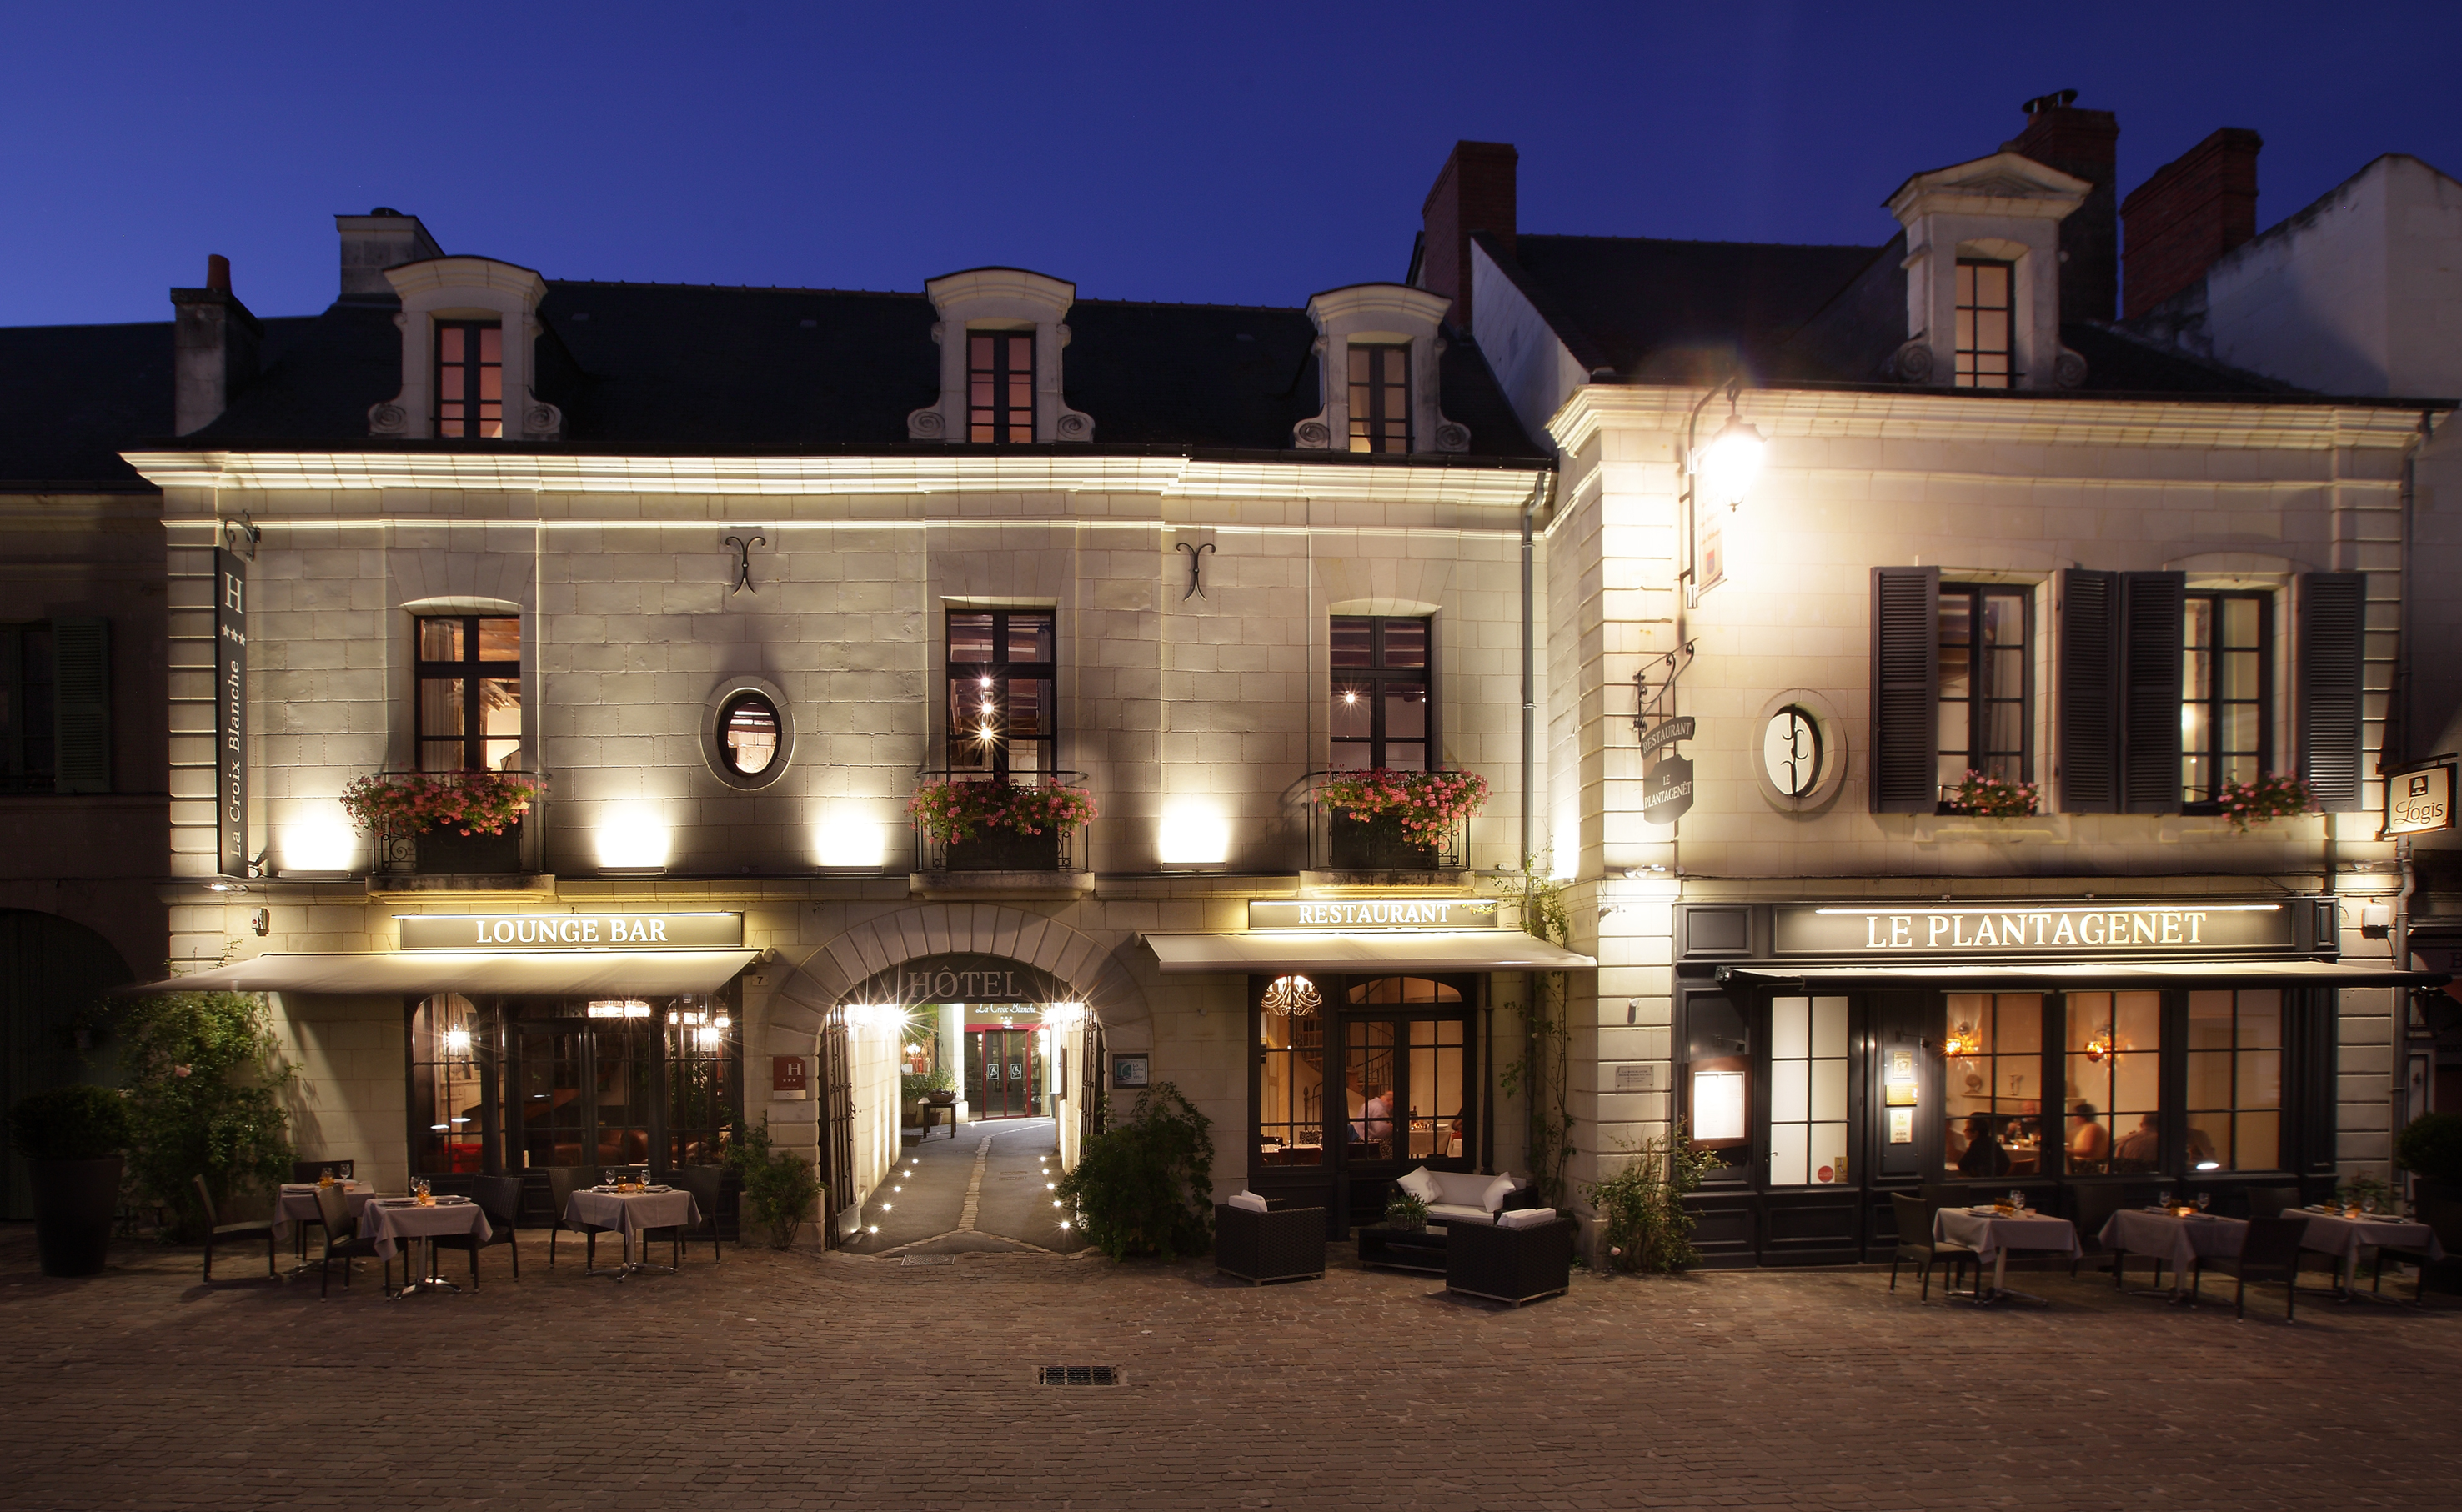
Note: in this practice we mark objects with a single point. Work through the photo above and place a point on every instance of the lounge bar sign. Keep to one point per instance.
(2093, 930)
(1373, 913)
(617, 931)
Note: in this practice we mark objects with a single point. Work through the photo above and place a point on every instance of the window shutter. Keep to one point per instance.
(81, 705)
(2152, 605)
(2333, 655)
(2089, 738)
(1906, 689)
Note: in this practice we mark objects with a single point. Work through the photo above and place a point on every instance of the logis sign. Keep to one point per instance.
(2418, 802)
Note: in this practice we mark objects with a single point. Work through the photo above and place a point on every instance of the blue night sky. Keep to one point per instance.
(1242, 154)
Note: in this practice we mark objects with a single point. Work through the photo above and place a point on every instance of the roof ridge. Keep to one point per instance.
(1696, 240)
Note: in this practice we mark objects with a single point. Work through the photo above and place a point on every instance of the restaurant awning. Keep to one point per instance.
(1399, 950)
(2073, 973)
(545, 973)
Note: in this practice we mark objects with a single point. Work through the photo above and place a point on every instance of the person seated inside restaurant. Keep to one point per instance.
(2141, 1147)
(2201, 1147)
(1984, 1157)
(2089, 1142)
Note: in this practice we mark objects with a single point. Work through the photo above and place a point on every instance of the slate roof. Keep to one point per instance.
(656, 367)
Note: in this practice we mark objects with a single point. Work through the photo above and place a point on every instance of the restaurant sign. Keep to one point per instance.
(593, 931)
(1372, 914)
(2049, 931)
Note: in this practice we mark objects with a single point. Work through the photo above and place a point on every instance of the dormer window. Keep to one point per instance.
(1986, 304)
(1380, 397)
(1000, 385)
(470, 378)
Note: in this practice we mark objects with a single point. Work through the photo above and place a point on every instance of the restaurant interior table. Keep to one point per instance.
(2169, 1240)
(631, 1214)
(390, 1221)
(1991, 1236)
(2343, 1237)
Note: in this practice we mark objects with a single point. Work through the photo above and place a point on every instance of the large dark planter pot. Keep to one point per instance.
(1006, 851)
(449, 851)
(73, 1204)
(1364, 845)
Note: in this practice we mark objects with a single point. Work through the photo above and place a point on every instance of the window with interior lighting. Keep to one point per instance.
(1382, 712)
(1986, 686)
(1380, 397)
(1807, 1091)
(1004, 692)
(1291, 1074)
(448, 1104)
(747, 737)
(469, 378)
(2226, 710)
(1992, 1085)
(1986, 311)
(2233, 1093)
(2112, 1102)
(467, 712)
(702, 1068)
(1000, 385)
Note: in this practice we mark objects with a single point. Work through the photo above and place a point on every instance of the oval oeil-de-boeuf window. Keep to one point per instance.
(748, 734)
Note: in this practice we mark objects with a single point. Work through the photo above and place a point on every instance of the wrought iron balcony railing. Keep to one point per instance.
(993, 809)
(411, 839)
(1339, 842)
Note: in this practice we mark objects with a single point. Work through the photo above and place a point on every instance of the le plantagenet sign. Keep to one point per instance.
(2044, 931)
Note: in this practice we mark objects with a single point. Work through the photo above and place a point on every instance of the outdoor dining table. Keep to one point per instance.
(2177, 1242)
(296, 1202)
(2343, 1237)
(391, 1220)
(1993, 1235)
(633, 1214)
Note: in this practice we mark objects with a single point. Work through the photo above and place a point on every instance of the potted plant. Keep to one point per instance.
(461, 821)
(2429, 1147)
(2273, 795)
(988, 825)
(1405, 1212)
(779, 1186)
(1383, 819)
(1145, 1185)
(1987, 797)
(940, 1085)
(72, 1139)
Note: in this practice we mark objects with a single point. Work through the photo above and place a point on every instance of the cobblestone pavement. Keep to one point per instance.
(829, 1380)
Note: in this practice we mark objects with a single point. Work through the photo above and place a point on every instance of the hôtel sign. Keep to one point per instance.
(2049, 930)
(1375, 914)
(526, 932)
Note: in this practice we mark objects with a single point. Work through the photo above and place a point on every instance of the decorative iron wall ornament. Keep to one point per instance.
(1195, 564)
(743, 562)
(1293, 997)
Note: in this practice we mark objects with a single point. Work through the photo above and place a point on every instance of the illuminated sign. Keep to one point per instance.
(595, 931)
(1377, 912)
(2052, 929)
(2417, 802)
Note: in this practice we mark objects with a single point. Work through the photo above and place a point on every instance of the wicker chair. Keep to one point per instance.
(500, 1197)
(1510, 1264)
(1287, 1244)
(2443, 1216)
(218, 1232)
(562, 1181)
(342, 1242)
(2271, 1252)
(1916, 1243)
(702, 1183)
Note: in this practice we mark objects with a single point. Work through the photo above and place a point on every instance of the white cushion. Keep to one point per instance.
(1249, 1200)
(1458, 1212)
(1504, 1186)
(1421, 1184)
(1460, 1187)
(1525, 1217)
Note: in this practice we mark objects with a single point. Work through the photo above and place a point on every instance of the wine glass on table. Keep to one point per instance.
(2204, 1197)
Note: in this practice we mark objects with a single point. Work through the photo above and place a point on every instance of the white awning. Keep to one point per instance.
(545, 973)
(1270, 954)
(2071, 973)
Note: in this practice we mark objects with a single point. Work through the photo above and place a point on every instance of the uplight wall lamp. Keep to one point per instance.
(1724, 469)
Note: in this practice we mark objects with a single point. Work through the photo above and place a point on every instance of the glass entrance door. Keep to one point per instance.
(1004, 1073)
(1404, 1099)
(579, 1093)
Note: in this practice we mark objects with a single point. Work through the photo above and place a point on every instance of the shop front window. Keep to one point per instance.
(1290, 1082)
(2234, 1082)
(447, 1100)
(700, 1082)
(1807, 1097)
(1367, 1083)
(2114, 1094)
(1992, 1103)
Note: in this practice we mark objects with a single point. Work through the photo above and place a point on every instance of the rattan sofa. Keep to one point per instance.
(1510, 1264)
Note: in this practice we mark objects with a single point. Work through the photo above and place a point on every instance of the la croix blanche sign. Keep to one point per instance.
(2050, 930)
(519, 932)
(1375, 914)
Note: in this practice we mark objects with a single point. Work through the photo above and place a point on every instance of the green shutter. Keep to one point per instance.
(81, 705)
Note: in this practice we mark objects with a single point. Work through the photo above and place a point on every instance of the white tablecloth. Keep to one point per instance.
(2343, 1237)
(629, 1213)
(2176, 1241)
(297, 1201)
(1988, 1233)
(387, 1223)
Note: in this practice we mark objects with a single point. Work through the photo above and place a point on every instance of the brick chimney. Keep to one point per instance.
(214, 349)
(2083, 144)
(382, 238)
(2193, 209)
(1473, 192)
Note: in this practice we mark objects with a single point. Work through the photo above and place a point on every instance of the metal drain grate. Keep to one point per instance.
(1080, 1375)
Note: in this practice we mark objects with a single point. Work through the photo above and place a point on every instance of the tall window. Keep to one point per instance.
(2225, 733)
(1004, 696)
(702, 1076)
(1000, 385)
(2234, 1083)
(1986, 300)
(448, 1047)
(26, 708)
(1984, 681)
(1807, 1096)
(1290, 1077)
(469, 378)
(2114, 1096)
(1382, 714)
(1992, 1085)
(1380, 398)
(469, 704)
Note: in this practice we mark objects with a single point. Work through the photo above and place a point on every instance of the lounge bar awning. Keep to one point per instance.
(1269, 953)
(2088, 973)
(543, 973)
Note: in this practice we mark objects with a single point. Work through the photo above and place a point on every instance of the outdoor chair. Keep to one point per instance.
(344, 1243)
(218, 1232)
(2443, 1216)
(562, 1181)
(1914, 1214)
(2093, 1205)
(2271, 1253)
(1513, 1266)
(2272, 1202)
(702, 1183)
(1285, 1243)
(500, 1197)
